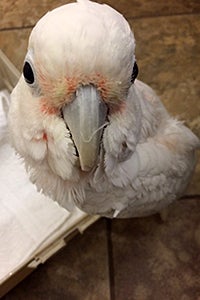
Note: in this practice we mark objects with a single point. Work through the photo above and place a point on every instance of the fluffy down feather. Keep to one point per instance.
(144, 158)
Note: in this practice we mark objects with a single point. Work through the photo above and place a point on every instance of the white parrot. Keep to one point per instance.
(90, 134)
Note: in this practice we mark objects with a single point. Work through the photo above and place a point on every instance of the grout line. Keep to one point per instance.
(16, 28)
(110, 259)
(161, 16)
(192, 196)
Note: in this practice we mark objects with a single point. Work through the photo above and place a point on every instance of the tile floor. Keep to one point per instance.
(137, 259)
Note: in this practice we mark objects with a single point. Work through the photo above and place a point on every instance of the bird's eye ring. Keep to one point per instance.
(28, 73)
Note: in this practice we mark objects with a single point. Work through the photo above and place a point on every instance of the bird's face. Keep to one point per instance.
(76, 76)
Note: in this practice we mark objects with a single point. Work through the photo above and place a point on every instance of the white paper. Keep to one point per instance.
(29, 221)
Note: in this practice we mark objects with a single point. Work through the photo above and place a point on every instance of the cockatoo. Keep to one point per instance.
(90, 133)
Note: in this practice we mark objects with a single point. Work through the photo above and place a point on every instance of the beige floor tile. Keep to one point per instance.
(158, 260)
(167, 49)
(14, 44)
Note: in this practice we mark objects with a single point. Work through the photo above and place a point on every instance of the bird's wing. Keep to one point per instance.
(159, 167)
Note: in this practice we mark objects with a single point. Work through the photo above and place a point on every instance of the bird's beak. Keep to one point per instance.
(85, 117)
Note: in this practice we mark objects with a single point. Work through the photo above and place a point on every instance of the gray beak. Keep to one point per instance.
(85, 117)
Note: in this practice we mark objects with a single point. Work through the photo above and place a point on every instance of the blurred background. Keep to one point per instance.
(142, 258)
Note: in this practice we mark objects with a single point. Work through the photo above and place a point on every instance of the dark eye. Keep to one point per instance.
(28, 73)
(135, 72)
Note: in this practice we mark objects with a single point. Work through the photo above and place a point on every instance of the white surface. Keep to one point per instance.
(29, 221)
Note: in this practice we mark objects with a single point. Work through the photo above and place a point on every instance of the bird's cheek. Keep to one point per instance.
(36, 147)
(46, 108)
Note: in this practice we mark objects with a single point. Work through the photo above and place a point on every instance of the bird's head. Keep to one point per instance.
(77, 72)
